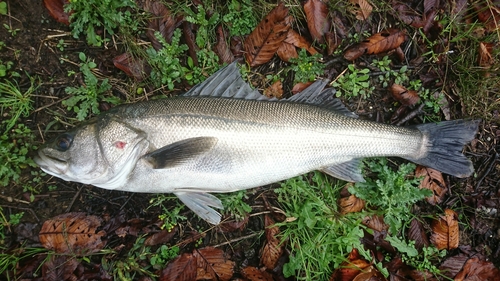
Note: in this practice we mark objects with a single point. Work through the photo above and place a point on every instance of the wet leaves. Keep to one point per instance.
(273, 249)
(404, 96)
(376, 44)
(445, 233)
(433, 180)
(56, 10)
(317, 19)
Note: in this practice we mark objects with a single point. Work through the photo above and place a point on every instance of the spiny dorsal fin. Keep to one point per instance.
(179, 152)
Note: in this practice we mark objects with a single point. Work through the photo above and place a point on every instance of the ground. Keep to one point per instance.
(36, 51)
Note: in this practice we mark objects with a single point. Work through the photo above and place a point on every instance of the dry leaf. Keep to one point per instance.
(273, 249)
(254, 274)
(299, 87)
(317, 19)
(212, 264)
(350, 268)
(183, 268)
(488, 14)
(56, 10)
(333, 41)
(445, 232)
(59, 268)
(297, 40)
(72, 233)
(433, 180)
(275, 90)
(287, 51)
(351, 204)
(162, 237)
(475, 269)
(221, 48)
(376, 222)
(404, 96)
(161, 21)
(233, 225)
(133, 67)
(452, 265)
(485, 59)
(362, 10)
(267, 37)
(417, 234)
(370, 273)
(376, 44)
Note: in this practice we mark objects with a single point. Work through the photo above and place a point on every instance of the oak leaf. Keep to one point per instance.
(261, 45)
(433, 180)
(445, 232)
(183, 268)
(273, 249)
(376, 44)
(212, 264)
(72, 233)
(317, 19)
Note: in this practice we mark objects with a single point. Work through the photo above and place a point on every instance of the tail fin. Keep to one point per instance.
(445, 141)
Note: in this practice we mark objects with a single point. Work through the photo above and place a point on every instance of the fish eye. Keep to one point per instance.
(64, 142)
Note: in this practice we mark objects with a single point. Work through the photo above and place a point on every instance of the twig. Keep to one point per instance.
(74, 199)
(10, 199)
(414, 113)
(239, 239)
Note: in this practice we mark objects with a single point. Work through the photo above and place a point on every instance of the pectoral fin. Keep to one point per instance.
(179, 152)
(201, 203)
(349, 171)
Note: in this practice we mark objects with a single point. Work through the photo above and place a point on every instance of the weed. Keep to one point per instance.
(61, 45)
(388, 74)
(13, 31)
(163, 255)
(85, 99)
(10, 259)
(355, 83)
(19, 104)
(86, 16)
(7, 223)
(426, 260)
(306, 68)
(240, 18)
(169, 216)
(233, 204)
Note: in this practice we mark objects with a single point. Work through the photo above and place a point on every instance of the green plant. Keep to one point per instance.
(163, 255)
(7, 223)
(9, 259)
(393, 192)
(3, 8)
(320, 239)
(240, 17)
(233, 204)
(14, 149)
(388, 74)
(170, 216)
(17, 103)
(86, 16)
(306, 68)
(12, 31)
(355, 83)
(85, 99)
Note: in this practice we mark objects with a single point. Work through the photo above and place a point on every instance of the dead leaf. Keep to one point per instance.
(452, 265)
(287, 51)
(476, 269)
(376, 44)
(162, 21)
(376, 222)
(183, 268)
(299, 87)
(297, 40)
(56, 10)
(351, 204)
(275, 90)
(404, 96)
(233, 225)
(485, 59)
(488, 14)
(417, 234)
(362, 9)
(212, 264)
(162, 237)
(273, 249)
(433, 180)
(221, 48)
(317, 19)
(254, 274)
(349, 269)
(59, 267)
(333, 41)
(72, 233)
(370, 273)
(267, 37)
(133, 67)
(445, 232)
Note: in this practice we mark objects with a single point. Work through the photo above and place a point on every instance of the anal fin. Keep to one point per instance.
(348, 171)
(201, 203)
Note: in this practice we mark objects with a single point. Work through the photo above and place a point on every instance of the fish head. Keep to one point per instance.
(100, 153)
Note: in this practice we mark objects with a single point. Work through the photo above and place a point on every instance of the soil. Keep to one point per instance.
(35, 52)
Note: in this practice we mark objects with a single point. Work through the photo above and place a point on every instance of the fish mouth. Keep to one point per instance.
(50, 165)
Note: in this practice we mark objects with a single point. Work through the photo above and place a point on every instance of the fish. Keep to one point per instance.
(223, 136)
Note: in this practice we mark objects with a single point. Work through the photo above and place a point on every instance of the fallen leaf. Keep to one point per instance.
(233, 225)
(476, 269)
(433, 180)
(421, 275)
(404, 96)
(452, 265)
(273, 249)
(221, 48)
(72, 233)
(183, 268)
(299, 87)
(488, 14)
(445, 232)
(485, 59)
(376, 44)
(254, 274)
(370, 273)
(375, 222)
(133, 67)
(190, 39)
(351, 204)
(287, 51)
(317, 19)
(416, 232)
(275, 90)
(261, 45)
(362, 9)
(350, 268)
(297, 40)
(58, 268)
(56, 10)
(406, 14)
(212, 264)
(333, 41)
(162, 237)
(161, 21)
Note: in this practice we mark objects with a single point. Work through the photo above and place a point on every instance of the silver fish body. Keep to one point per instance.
(222, 136)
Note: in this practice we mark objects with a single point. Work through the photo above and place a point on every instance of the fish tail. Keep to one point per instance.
(443, 147)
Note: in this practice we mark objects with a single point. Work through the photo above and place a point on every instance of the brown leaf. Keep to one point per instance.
(162, 237)
(445, 232)
(362, 10)
(299, 87)
(404, 96)
(233, 225)
(350, 268)
(297, 40)
(488, 14)
(267, 37)
(475, 269)
(56, 10)
(351, 204)
(161, 21)
(317, 19)
(333, 41)
(275, 90)
(485, 59)
(375, 222)
(212, 264)
(183, 268)
(221, 48)
(417, 234)
(452, 265)
(254, 274)
(370, 273)
(421, 275)
(287, 51)
(59, 268)
(72, 233)
(273, 249)
(133, 67)
(376, 44)
(433, 180)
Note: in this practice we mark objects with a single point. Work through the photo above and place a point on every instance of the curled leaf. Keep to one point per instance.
(351, 204)
(445, 232)
(404, 96)
(376, 44)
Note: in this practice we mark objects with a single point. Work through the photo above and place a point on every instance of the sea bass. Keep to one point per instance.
(223, 136)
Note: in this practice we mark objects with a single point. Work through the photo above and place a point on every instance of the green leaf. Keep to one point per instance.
(3, 8)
